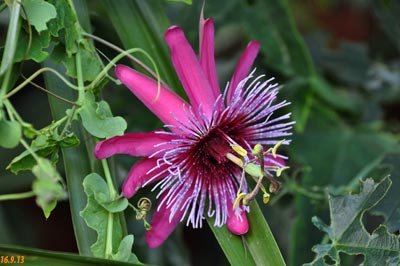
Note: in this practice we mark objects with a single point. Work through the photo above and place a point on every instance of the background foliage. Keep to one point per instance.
(338, 62)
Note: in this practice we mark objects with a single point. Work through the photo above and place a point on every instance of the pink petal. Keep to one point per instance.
(237, 224)
(161, 226)
(162, 103)
(189, 71)
(269, 160)
(134, 144)
(243, 67)
(140, 173)
(207, 59)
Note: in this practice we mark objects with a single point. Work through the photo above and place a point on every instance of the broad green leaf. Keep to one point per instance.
(38, 13)
(100, 219)
(10, 134)
(258, 246)
(12, 37)
(37, 257)
(98, 120)
(347, 232)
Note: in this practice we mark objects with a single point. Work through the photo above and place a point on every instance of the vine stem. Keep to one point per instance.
(17, 196)
(116, 48)
(110, 184)
(37, 73)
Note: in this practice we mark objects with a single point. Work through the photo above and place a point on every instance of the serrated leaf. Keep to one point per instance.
(39, 13)
(98, 218)
(98, 120)
(10, 134)
(347, 232)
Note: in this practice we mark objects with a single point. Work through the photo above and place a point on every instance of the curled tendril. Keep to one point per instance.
(143, 206)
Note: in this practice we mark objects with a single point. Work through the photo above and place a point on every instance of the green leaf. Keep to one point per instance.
(38, 13)
(98, 120)
(99, 218)
(259, 242)
(37, 257)
(43, 146)
(47, 186)
(124, 252)
(10, 134)
(36, 49)
(91, 65)
(12, 37)
(189, 2)
(347, 232)
(65, 26)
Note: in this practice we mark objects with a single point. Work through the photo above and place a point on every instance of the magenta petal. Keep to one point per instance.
(237, 224)
(134, 144)
(162, 103)
(161, 226)
(243, 67)
(189, 71)
(146, 170)
(207, 59)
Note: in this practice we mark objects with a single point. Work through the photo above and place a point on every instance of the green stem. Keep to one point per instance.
(4, 85)
(81, 89)
(110, 225)
(17, 196)
(110, 183)
(34, 75)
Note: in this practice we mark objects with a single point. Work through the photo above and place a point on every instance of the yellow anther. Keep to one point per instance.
(258, 149)
(239, 150)
(266, 197)
(275, 148)
(280, 170)
(238, 199)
